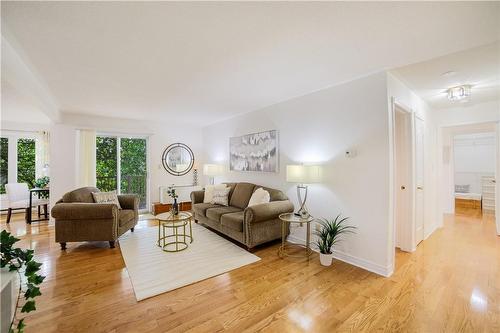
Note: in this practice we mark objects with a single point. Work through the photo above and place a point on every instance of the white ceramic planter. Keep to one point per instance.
(325, 259)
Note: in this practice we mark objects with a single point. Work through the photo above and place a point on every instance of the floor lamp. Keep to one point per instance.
(302, 175)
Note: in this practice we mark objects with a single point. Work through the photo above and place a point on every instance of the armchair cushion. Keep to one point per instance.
(129, 201)
(215, 213)
(83, 194)
(84, 211)
(267, 211)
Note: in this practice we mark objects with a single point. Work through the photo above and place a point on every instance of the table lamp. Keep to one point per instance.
(212, 170)
(303, 174)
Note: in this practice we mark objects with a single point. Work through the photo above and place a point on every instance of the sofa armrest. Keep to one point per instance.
(84, 211)
(267, 211)
(197, 197)
(129, 201)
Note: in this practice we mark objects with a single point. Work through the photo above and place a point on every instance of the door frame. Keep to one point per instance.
(475, 127)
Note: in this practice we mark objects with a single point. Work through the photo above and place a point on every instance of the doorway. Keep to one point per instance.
(469, 170)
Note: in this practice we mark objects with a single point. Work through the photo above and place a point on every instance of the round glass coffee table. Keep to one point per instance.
(286, 220)
(172, 231)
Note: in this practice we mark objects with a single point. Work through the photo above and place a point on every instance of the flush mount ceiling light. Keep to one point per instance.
(459, 93)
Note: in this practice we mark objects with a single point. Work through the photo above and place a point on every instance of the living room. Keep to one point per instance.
(302, 110)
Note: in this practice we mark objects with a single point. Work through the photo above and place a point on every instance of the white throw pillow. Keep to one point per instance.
(260, 196)
(209, 192)
(220, 196)
(106, 197)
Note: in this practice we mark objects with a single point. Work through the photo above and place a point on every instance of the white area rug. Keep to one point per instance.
(154, 271)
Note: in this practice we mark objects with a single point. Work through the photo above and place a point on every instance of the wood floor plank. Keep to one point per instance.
(450, 284)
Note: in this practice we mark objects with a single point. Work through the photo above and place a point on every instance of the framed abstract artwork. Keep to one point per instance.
(254, 152)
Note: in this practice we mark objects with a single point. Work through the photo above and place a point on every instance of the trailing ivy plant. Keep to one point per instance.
(16, 259)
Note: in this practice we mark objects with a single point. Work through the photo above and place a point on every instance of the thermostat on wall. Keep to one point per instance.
(350, 153)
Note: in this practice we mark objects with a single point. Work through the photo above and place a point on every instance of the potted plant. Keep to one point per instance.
(173, 194)
(328, 234)
(21, 261)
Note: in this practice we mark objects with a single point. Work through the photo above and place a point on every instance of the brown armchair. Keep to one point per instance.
(79, 218)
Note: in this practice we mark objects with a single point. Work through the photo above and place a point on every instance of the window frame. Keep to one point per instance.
(118, 164)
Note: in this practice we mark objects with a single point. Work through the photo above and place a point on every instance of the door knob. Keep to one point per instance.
(403, 187)
(420, 187)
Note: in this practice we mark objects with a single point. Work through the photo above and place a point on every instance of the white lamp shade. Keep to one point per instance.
(212, 170)
(303, 174)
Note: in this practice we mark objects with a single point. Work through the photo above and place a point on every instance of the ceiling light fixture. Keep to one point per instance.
(459, 93)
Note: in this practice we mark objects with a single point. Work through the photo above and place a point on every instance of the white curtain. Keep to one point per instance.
(87, 158)
(42, 154)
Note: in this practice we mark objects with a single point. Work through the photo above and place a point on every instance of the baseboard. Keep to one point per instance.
(352, 260)
(428, 234)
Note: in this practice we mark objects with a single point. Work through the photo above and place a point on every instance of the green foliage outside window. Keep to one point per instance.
(26, 161)
(106, 163)
(133, 166)
(4, 163)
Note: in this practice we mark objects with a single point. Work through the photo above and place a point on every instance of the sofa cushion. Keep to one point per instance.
(83, 194)
(275, 195)
(125, 216)
(201, 208)
(215, 213)
(233, 221)
(241, 195)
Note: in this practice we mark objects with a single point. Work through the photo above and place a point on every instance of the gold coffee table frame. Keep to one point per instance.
(172, 234)
(289, 218)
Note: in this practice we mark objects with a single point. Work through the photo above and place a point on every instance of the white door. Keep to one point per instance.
(403, 184)
(419, 179)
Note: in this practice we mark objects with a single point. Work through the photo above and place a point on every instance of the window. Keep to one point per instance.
(26, 161)
(17, 159)
(4, 163)
(123, 161)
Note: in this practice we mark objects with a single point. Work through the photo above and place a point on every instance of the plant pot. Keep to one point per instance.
(325, 259)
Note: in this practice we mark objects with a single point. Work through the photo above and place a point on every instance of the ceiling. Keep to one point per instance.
(18, 107)
(202, 62)
(479, 67)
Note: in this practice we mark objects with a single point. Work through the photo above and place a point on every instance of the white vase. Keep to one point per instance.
(326, 259)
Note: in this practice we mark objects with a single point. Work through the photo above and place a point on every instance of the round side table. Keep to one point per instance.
(172, 233)
(287, 219)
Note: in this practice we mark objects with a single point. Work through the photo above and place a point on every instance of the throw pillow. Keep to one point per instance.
(209, 192)
(106, 197)
(220, 196)
(260, 196)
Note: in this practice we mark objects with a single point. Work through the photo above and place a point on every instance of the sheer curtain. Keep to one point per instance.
(42, 154)
(87, 158)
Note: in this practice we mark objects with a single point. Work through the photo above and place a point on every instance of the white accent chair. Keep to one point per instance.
(19, 195)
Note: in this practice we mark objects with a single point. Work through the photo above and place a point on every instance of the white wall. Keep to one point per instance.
(398, 91)
(318, 128)
(462, 114)
(160, 135)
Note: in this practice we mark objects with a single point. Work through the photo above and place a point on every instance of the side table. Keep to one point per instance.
(289, 218)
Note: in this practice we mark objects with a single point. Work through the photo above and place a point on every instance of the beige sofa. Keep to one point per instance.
(79, 218)
(250, 226)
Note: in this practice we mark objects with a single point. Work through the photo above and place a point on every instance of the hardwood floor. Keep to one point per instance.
(450, 284)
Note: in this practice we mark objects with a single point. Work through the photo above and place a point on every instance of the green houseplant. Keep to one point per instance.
(328, 234)
(16, 259)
